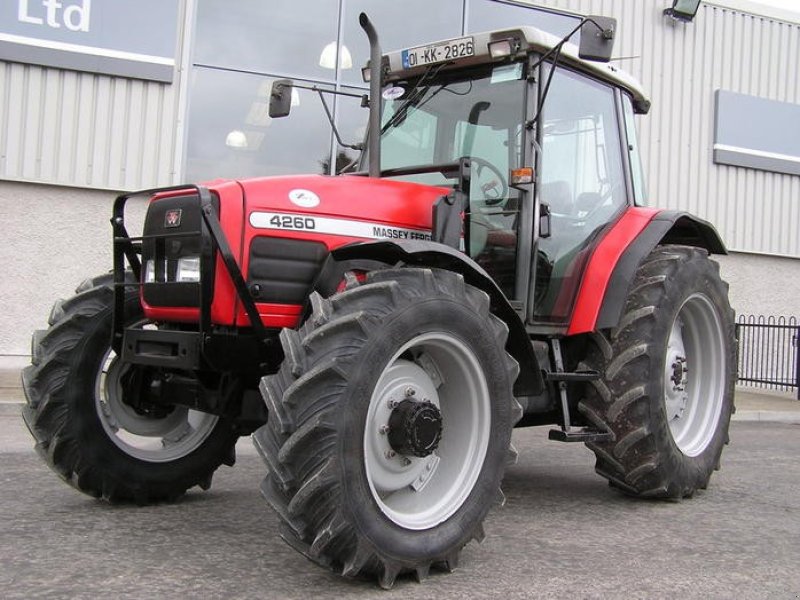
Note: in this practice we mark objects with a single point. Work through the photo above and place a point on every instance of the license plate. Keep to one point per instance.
(436, 53)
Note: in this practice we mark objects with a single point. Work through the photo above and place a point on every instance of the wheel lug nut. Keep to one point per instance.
(392, 404)
(410, 391)
(390, 454)
(383, 429)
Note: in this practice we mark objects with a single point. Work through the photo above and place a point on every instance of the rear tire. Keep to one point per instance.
(668, 374)
(348, 496)
(84, 429)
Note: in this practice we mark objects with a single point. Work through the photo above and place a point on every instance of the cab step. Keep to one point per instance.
(581, 435)
(571, 376)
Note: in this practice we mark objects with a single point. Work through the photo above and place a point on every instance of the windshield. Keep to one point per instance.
(441, 117)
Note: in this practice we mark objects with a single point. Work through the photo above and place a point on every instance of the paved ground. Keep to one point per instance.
(563, 532)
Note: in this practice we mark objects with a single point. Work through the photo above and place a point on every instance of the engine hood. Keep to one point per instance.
(343, 198)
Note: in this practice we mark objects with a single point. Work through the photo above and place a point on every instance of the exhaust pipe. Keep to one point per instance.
(375, 69)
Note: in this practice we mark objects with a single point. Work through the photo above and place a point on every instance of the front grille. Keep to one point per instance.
(175, 239)
(282, 271)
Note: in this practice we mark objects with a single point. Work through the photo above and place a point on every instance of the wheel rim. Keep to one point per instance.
(694, 375)
(421, 492)
(149, 439)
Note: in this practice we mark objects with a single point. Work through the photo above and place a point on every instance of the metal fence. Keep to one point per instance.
(769, 352)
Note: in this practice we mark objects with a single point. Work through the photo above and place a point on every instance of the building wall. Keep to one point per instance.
(53, 238)
(761, 285)
(681, 65)
(66, 138)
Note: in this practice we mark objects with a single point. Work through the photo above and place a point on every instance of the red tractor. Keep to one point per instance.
(380, 333)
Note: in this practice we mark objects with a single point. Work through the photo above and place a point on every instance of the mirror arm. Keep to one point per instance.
(333, 124)
(314, 88)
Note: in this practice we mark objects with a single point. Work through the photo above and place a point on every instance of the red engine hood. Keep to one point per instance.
(346, 198)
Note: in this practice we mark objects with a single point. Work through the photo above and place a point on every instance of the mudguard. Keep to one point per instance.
(606, 283)
(433, 254)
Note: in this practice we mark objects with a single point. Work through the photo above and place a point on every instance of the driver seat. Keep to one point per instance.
(558, 196)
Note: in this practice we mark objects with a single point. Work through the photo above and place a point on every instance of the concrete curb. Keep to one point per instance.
(14, 409)
(753, 405)
(767, 416)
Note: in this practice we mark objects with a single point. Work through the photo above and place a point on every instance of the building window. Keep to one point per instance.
(232, 135)
(241, 47)
(279, 37)
(400, 25)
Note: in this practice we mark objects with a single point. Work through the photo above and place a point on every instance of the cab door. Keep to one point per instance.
(490, 132)
(582, 184)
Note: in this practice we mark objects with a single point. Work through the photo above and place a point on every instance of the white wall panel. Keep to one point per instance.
(681, 65)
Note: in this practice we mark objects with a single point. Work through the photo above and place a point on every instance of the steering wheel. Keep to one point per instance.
(495, 190)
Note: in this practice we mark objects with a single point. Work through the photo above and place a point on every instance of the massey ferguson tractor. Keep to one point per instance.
(489, 263)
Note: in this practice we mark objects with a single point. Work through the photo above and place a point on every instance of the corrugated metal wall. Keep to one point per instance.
(681, 65)
(81, 129)
(86, 130)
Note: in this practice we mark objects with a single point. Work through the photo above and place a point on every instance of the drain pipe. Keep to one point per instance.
(375, 69)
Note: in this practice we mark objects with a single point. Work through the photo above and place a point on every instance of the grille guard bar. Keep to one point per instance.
(212, 241)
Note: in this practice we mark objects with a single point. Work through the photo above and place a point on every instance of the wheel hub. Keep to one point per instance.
(415, 428)
(676, 370)
(144, 435)
(679, 373)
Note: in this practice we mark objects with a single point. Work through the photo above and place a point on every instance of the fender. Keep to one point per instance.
(434, 254)
(613, 265)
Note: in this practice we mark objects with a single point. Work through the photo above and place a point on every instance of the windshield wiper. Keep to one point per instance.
(416, 94)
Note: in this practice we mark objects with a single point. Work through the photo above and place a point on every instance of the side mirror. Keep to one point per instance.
(280, 98)
(597, 38)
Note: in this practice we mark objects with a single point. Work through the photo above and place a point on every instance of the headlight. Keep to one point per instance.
(149, 272)
(188, 269)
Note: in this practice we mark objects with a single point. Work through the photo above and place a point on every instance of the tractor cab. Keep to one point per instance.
(551, 143)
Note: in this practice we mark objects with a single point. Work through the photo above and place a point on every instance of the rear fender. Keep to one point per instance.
(666, 227)
(436, 255)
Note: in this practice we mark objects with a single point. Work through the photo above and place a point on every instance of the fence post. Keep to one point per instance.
(797, 360)
(737, 334)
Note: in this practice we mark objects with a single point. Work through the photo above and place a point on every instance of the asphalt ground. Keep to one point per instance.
(562, 533)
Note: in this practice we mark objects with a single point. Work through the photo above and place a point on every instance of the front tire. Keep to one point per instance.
(390, 424)
(83, 426)
(668, 374)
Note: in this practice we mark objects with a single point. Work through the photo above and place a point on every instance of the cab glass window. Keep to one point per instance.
(476, 114)
(582, 182)
(637, 172)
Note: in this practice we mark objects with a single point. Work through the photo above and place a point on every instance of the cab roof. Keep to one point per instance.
(528, 39)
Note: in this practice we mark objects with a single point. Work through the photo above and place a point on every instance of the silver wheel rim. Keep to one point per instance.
(149, 439)
(694, 375)
(419, 493)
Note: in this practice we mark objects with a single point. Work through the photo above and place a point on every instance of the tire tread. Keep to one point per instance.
(48, 413)
(640, 461)
(299, 439)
